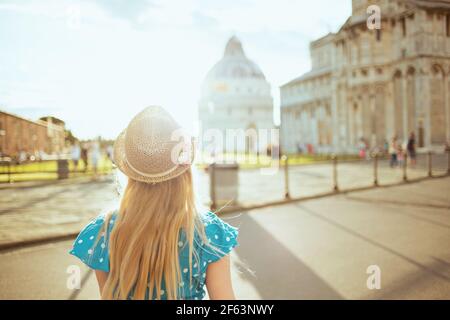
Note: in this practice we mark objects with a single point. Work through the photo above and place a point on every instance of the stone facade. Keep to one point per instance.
(374, 84)
(18, 134)
(235, 96)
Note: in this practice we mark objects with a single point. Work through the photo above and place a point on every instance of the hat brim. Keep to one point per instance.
(120, 161)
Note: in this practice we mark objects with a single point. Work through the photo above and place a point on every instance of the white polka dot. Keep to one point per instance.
(204, 263)
(185, 270)
(90, 251)
(181, 284)
(228, 239)
(209, 240)
(80, 241)
(111, 222)
(103, 245)
(216, 236)
(195, 298)
(101, 259)
(162, 292)
(195, 265)
(209, 261)
(204, 275)
(180, 244)
(91, 238)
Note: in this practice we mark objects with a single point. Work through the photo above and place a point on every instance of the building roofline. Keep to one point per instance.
(314, 73)
(24, 119)
(431, 4)
(328, 37)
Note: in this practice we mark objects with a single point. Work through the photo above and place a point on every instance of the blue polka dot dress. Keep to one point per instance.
(91, 247)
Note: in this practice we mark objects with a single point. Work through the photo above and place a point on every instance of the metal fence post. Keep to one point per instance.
(335, 173)
(448, 161)
(375, 169)
(212, 186)
(286, 177)
(405, 166)
(430, 164)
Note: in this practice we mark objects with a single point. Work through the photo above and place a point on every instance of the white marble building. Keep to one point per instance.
(236, 95)
(374, 84)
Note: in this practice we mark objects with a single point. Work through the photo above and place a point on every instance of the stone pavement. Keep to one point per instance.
(308, 180)
(315, 249)
(38, 211)
(35, 211)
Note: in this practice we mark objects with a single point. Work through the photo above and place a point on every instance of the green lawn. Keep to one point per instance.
(47, 170)
(252, 161)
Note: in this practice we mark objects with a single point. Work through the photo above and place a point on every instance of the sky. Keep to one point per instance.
(96, 63)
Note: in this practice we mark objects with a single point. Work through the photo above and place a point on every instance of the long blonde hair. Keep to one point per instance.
(144, 243)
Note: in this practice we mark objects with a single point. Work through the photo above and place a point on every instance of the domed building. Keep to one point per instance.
(236, 97)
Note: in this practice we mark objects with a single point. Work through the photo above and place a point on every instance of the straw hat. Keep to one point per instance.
(153, 148)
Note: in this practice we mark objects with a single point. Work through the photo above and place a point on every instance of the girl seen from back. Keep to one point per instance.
(156, 245)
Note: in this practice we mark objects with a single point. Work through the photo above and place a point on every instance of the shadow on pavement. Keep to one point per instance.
(430, 270)
(416, 285)
(272, 269)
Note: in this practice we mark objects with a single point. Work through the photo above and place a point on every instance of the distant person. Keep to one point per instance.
(157, 244)
(84, 155)
(42, 154)
(393, 146)
(299, 148)
(385, 147)
(75, 154)
(94, 157)
(411, 149)
(400, 156)
(22, 156)
(310, 148)
(268, 150)
(362, 146)
(109, 152)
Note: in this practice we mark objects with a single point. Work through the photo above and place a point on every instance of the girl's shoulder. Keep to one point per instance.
(221, 237)
(91, 244)
(212, 223)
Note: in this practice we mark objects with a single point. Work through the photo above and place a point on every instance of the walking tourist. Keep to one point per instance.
(84, 155)
(95, 155)
(393, 152)
(400, 155)
(362, 146)
(109, 152)
(75, 155)
(411, 148)
(22, 156)
(157, 244)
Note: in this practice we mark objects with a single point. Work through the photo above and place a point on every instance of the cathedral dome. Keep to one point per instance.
(234, 64)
